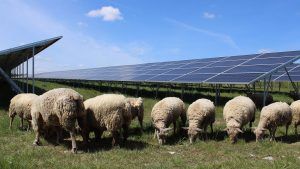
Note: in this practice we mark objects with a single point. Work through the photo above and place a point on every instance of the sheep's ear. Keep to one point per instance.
(167, 129)
(225, 129)
(198, 129)
(239, 130)
(185, 128)
(263, 129)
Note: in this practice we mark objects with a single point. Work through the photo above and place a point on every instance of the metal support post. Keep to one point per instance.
(156, 92)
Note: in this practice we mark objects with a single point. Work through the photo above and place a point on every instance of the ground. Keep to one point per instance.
(142, 151)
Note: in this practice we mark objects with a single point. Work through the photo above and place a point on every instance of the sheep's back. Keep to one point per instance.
(240, 108)
(168, 109)
(107, 110)
(278, 112)
(200, 108)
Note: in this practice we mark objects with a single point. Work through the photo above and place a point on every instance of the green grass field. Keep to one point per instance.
(142, 151)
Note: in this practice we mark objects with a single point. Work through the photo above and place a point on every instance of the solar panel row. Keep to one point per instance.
(231, 69)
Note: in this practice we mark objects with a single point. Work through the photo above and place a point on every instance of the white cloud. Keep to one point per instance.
(208, 15)
(222, 37)
(107, 13)
(75, 50)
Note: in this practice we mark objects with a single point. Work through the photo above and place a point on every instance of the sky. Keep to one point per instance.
(100, 33)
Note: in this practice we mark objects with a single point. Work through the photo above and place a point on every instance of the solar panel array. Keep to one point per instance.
(242, 69)
(281, 75)
(11, 58)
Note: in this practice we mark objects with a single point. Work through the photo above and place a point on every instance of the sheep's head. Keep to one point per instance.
(137, 106)
(192, 133)
(162, 134)
(233, 133)
(259, 133)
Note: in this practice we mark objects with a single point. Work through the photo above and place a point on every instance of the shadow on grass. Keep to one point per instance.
(289, 139)
(104, 144)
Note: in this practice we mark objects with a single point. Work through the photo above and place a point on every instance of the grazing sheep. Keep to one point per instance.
(109, 112)
(272, 116)
(295, 106)
(137, 109)
(21, 105)
(59, 109)
(201, 113)
(258, 99)
(238, 112)
(164, 113)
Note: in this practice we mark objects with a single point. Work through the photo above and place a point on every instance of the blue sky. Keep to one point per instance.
(115, 32)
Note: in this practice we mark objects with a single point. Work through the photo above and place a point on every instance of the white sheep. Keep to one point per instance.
(137, 109)
(109, 112)
(238, 112)
(59, 108)
(295, 106)
(272, 116)
(164, 113)
(21, 105)
(201, 113)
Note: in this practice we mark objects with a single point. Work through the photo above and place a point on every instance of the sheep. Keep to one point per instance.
(137, 109)
(21, 105)
(258, 99)
(59, 109)
(272, 116)
(164, 113)
(295, 106)
(201, 113)
(238, 112)
(109, 112)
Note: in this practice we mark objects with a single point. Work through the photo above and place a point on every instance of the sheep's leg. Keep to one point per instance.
(22, 123)
(125, 133)
(140, 118)
(98, 134)
(36, 141)
(211, 128)
(250, 124)
(115, 140)
(82, 122)
(29, 125)
(296, 132)
(74, 147)
(205, 133)
(174, 124)
(11, 121)
(286, 129)
(155, 134)
(183, 118)
(58, 135)
(272, 134)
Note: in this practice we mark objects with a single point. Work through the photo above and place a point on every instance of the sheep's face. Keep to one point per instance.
(193, 134)
(162, 135)
(259, 133)
(233, 134)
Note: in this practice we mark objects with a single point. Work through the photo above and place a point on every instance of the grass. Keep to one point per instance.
(142, 151)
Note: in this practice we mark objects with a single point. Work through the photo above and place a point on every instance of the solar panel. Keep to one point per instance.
(243, 69)
(294, 72)
(11, 58)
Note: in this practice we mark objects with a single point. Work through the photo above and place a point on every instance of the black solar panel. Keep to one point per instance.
(242, 69)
